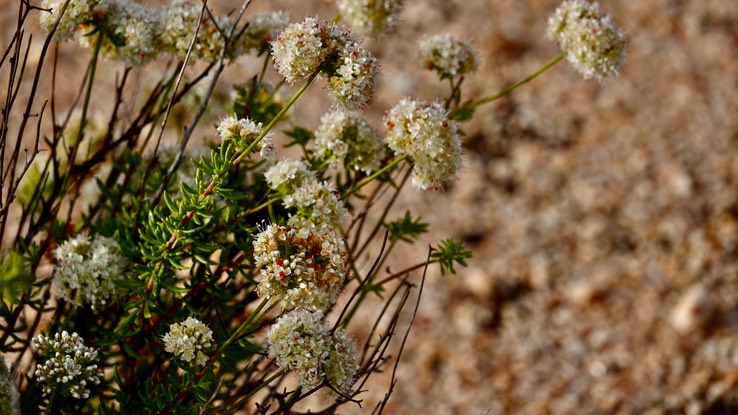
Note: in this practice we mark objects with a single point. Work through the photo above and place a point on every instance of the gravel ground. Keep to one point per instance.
(603, 216)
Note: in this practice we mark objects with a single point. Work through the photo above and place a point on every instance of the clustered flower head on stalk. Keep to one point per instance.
(348, 138)
(372, 17)
(594, 45)
(135, 34)
(243, 132)
(76, 14)
(189, 340)
(9, 396)
(315, 202)
(87, 269)
(349, 69)
(177, 25)
(300, 49)
(128, 32)
(352, 74)
(447, 56)
(301, 268)
(423, 132)
(299, 342)
(69, 366)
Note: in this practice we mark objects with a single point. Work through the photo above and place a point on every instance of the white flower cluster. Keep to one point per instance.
(9, 396)
(76, 14)
(188, 340)
(372, 17)
(299, 49)
(177, 25)
(299, 342)
(447, 56)
(69, 365)
(302, 269)
(594, 45)
(351, 78)
(316, 205)
(87, 269)
(346, 137)
(135, 34)
(423, 132)
(349, 69)
(129, 34)
(243, 132)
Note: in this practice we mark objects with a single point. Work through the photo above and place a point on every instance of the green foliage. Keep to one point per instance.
(300, 136)
(406, 229)
(450, 252)
(15, 277)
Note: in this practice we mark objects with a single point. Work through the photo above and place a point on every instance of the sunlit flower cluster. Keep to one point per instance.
(177, 25)
(315, 203)
(69, 366)
(299, 342)
(189, 340)
(9, 396)
(303, 269)
(350, 70)
(87, 269)
(76, 14)
(135, 34)
(300, 48)
(447, 56)
(423, 132)
(348, 138)
(243, 132)
(351, 77)
(128, 32)
(594, 45)
(372, 17)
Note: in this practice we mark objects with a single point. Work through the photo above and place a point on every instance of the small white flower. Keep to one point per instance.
(349, 138)
(303, 269)
(242, 131)
(177, 24)
(315, 203)
(370, 16)
(189, 340)
(128, 30)
(594, 45)
(299, 49)
(87, 269)
(69, 365)
(299, 342)
(76, 13)
(447, 56)
(351, 85)
(423, 132)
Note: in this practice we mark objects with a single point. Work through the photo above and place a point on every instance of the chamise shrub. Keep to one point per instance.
(225, 277)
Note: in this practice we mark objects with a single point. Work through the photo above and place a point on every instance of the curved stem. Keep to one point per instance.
(276, 118)
(376, 174)
(514, 86)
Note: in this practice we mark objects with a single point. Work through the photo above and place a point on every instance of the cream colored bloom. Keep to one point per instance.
(594, 45)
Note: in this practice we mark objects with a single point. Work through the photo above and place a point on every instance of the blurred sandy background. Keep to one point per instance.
(603, 217)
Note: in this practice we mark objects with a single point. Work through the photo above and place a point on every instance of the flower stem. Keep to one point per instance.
(514, 86)
(245, 325)
(376, 174)
(276, 118)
